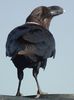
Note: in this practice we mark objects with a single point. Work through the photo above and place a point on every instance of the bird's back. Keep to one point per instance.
(34, 36)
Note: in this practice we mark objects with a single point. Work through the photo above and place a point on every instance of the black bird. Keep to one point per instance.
(31, 44)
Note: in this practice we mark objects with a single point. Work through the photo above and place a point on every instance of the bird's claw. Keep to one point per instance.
(40, 93)
(37, 96)
(18, 94)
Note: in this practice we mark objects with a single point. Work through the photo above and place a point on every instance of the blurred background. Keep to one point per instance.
(58, 76)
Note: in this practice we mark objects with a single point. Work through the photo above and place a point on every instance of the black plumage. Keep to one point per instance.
(34, 35)
(31, 44)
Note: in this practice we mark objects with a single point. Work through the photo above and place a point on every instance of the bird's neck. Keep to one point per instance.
(32, 23)
(44, 23)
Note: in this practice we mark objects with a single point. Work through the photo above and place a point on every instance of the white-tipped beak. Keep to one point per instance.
(64, 11)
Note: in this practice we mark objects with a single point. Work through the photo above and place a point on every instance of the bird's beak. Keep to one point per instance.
(55, 10)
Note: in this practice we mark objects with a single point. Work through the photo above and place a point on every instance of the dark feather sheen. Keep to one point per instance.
(36, 35)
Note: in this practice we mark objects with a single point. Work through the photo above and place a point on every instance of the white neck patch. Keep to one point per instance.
(32, 23)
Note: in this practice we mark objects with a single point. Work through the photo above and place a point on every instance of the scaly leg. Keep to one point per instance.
(20, 77)
(35, 73)
(18, 90)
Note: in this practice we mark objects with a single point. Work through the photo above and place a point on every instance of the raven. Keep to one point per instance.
(31, 44)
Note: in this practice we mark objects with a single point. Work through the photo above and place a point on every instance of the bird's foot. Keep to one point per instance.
(40, 93)
(18, 94)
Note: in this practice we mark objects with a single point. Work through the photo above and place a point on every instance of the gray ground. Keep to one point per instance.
(43, 97)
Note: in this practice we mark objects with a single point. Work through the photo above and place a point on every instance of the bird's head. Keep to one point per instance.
(42, 15)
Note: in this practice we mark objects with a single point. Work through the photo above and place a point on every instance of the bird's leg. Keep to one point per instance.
(18, 90)
(35, 73)
(20, 77)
